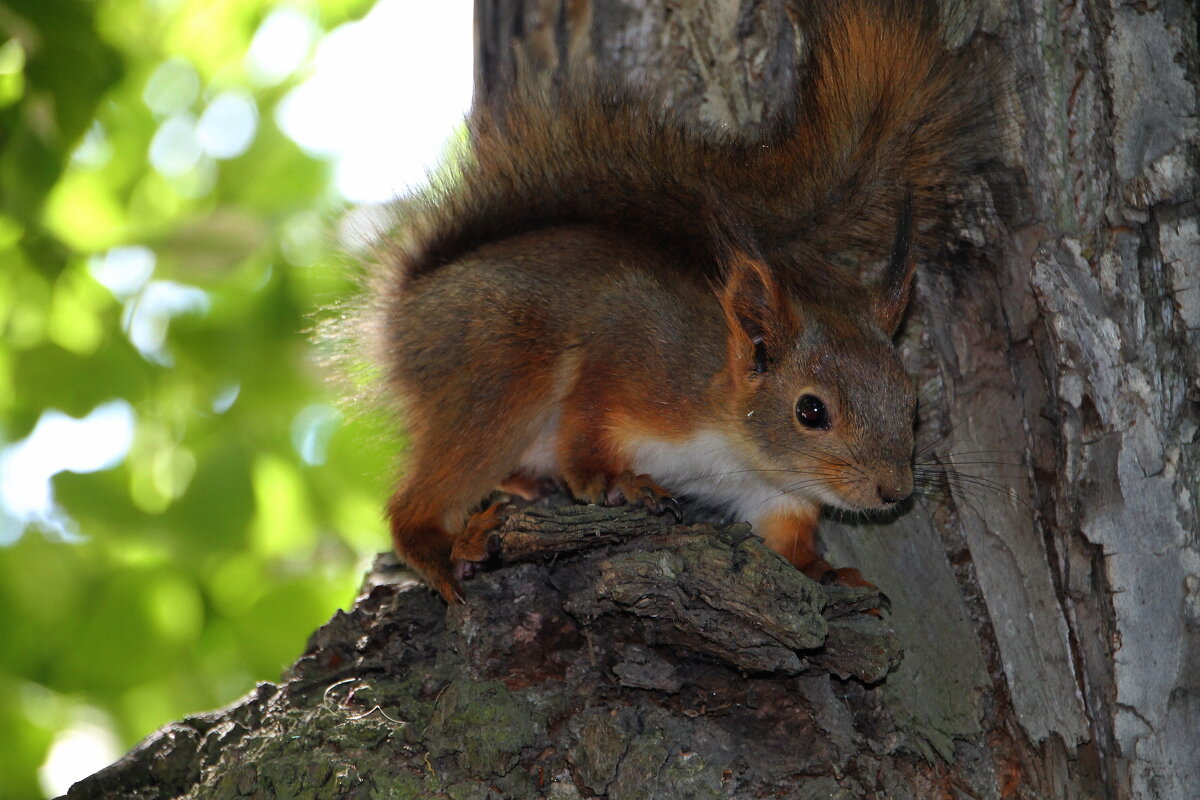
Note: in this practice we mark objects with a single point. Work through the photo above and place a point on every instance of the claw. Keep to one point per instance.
(849, 576)
(626, 488)
(465, 570)
(447, 586)
(846, 576)
(643, 490)
(615, 496)
(670, 504)
(885, 603)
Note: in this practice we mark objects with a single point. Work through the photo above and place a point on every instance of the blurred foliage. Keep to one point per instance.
(240, 518)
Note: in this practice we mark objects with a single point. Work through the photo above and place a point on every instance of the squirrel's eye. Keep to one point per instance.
(812, 412)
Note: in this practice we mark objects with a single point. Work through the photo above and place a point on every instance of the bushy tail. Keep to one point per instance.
(883, 110)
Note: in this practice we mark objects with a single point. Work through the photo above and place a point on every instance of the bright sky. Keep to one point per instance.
(385, 95)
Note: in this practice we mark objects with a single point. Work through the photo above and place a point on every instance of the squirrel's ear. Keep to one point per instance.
(756, 310)
(895, 288)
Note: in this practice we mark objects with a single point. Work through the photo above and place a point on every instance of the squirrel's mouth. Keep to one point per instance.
(882, 491)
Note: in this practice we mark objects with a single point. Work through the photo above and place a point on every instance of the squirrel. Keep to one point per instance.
(611, 297)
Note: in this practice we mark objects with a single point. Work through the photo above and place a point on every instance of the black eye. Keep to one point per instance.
(812, 412)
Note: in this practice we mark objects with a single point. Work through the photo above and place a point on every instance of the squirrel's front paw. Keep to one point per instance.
(624, 488)
(642, 489)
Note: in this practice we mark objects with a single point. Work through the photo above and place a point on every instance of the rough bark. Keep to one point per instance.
(1044, 589)
(614, 654)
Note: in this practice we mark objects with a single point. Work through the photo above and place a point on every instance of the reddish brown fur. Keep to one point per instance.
(883, 109)
(551, 308)
(793, 534)
(516, 352)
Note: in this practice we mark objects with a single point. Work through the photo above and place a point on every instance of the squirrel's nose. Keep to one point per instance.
(890, 494)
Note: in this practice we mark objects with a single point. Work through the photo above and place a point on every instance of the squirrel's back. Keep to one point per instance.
(883, 109)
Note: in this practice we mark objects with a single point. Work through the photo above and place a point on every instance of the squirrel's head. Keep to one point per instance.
(826, 407)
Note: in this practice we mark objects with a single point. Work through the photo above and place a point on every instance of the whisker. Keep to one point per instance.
(942, 438)
(919, 501)
(821, 455)
(792, 489)
(961, 481)
(972, 462)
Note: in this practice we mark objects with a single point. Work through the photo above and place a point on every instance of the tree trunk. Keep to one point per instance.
(1050, 594)
(1045, 589)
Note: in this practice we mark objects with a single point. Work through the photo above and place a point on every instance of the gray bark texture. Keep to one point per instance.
(1045, 589)
(612, 654)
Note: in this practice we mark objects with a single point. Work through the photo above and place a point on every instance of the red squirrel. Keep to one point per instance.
(636, 307)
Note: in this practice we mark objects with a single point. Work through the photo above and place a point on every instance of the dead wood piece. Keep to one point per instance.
(538, 532)
(715, 590)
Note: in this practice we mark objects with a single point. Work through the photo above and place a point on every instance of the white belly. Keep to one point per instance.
(708, 468)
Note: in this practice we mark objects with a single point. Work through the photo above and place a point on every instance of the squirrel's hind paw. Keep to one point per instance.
(822, 571)
(445, 582)
(478, 543)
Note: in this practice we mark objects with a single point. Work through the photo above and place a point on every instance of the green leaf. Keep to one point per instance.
(68, 67)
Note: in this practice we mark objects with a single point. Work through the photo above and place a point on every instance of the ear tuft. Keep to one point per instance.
(895, 288)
